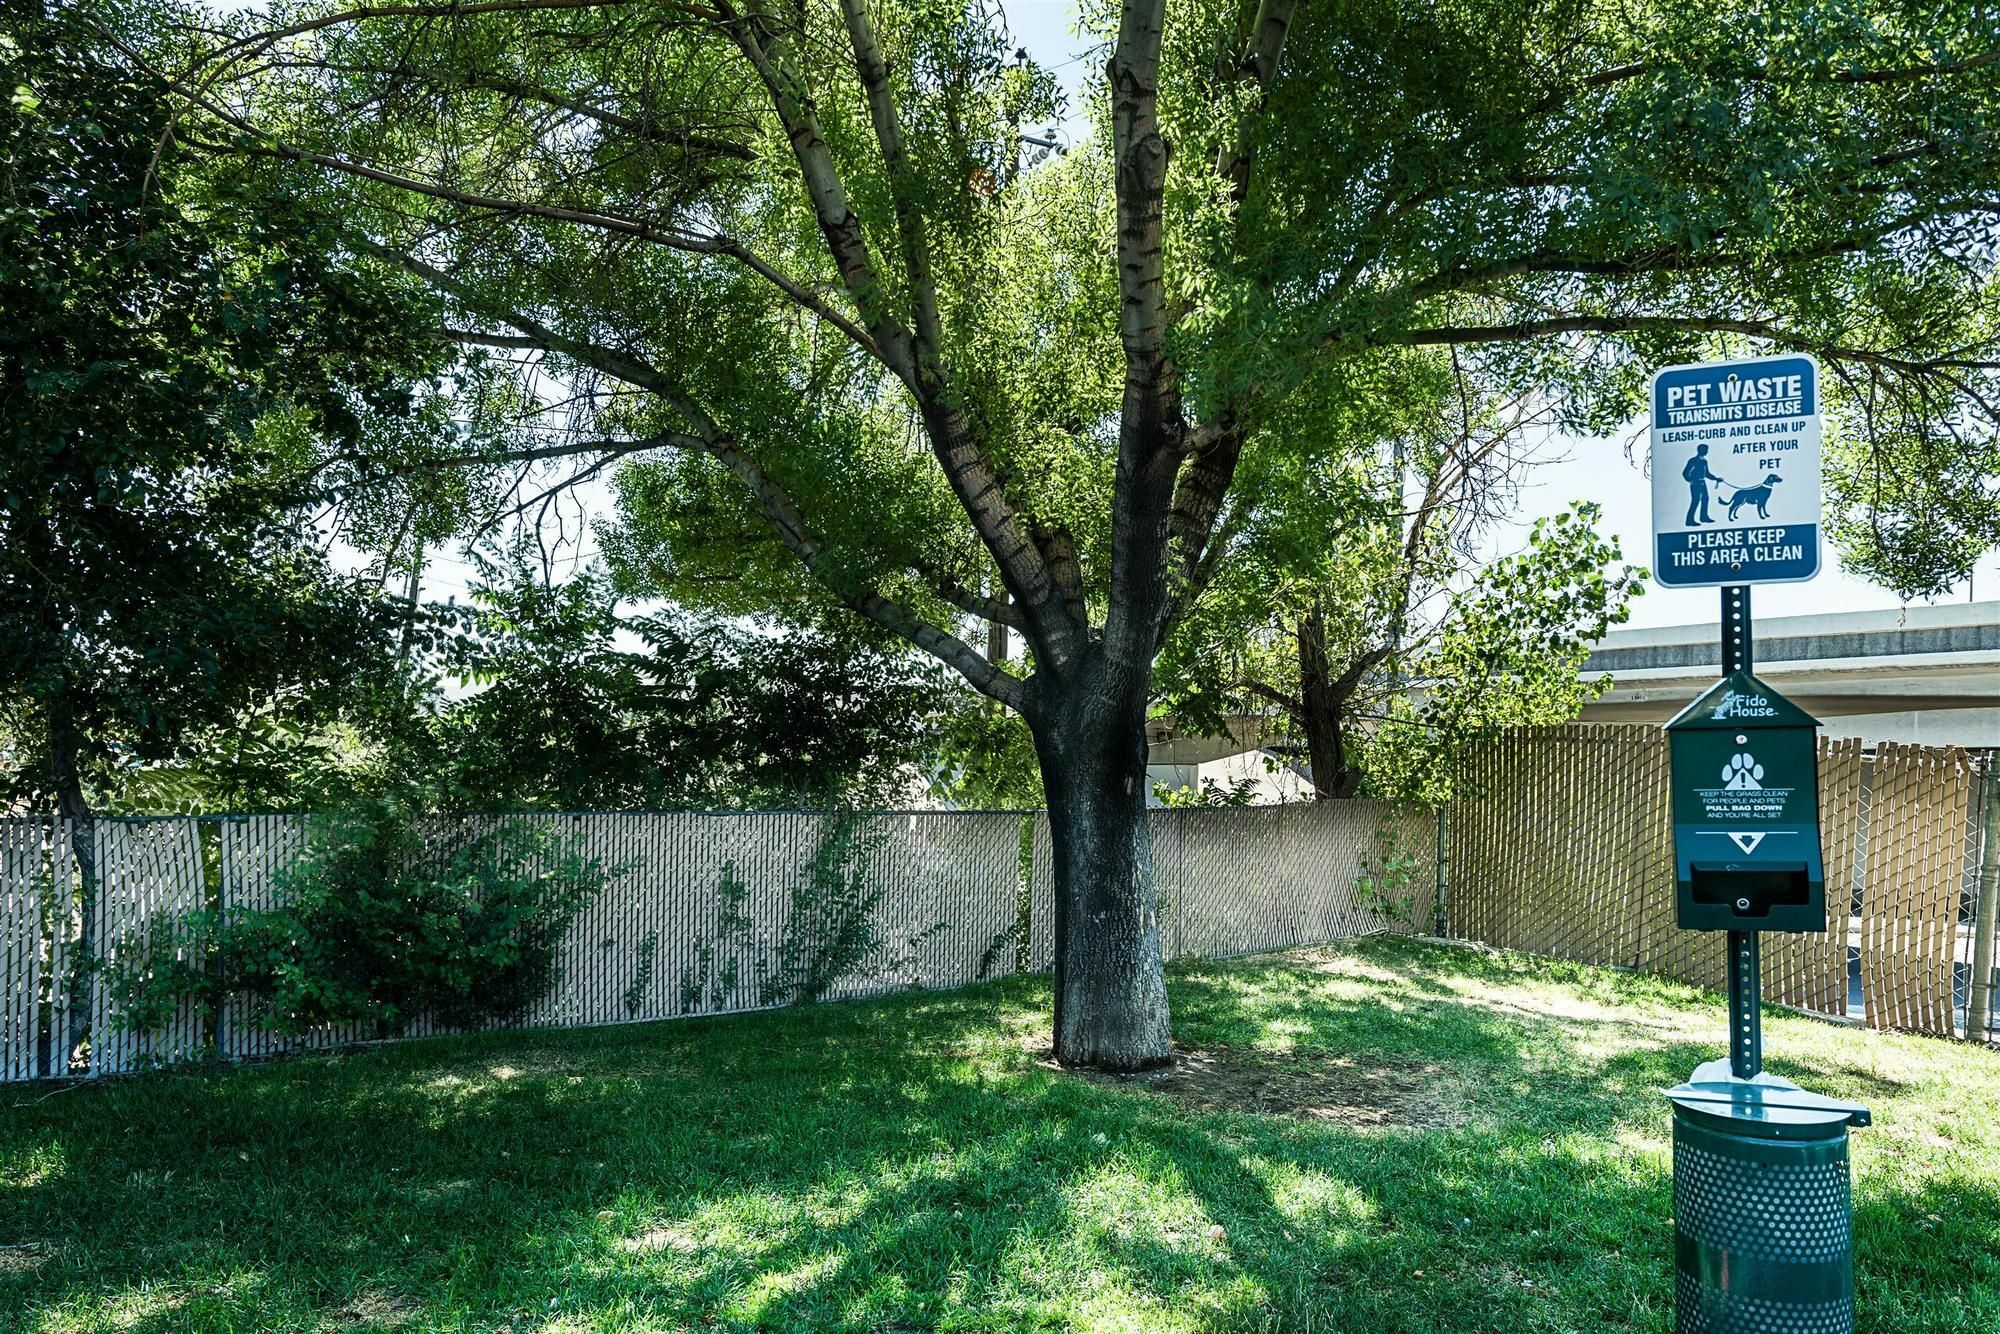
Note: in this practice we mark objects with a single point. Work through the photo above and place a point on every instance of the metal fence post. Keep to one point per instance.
(1024, 896)
(1979, 992)
(1438, 890)
(215, 883)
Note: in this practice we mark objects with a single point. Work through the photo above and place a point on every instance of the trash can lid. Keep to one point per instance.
(1772, 1105)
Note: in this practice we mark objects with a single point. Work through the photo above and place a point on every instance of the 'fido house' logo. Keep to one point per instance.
(1736, 704)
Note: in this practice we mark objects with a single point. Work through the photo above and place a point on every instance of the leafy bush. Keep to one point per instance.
(377, 924)
(1387, 884)
(1237, 792)
(830, 929)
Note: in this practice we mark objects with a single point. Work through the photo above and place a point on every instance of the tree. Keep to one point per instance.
(575, 706)
(157, 563)
(1320, 643)
(795, 241)
(541, 695)
(1509, 654)
(165, 338)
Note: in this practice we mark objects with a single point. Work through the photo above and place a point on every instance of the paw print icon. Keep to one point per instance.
(1742, 771)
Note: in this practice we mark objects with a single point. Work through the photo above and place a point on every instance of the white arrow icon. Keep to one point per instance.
(1745, 841)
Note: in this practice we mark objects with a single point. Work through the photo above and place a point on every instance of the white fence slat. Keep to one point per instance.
(147, 870)
(61, 924)
(28, 861)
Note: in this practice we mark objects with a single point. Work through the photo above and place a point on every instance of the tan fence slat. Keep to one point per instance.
(1809, 969)
(1916, 872)
(1559, 841)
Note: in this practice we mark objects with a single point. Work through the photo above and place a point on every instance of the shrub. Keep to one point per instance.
(1387, 884)
(377, 924)
(830, 929)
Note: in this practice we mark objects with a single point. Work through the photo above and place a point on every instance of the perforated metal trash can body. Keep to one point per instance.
(1763, 1212)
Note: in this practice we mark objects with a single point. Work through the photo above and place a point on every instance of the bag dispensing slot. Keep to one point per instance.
(1750, 891)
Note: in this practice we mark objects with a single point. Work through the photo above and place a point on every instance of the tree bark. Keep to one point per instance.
(1111, 992)
(73, 807)
(1323, 700)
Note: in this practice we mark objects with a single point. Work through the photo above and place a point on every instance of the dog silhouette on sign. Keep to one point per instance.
(1758, 495)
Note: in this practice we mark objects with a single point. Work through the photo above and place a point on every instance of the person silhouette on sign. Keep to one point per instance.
(1697, 476)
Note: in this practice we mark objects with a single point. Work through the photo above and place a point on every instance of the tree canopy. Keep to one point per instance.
(583, 707)
(179, 351)
(785, 242)
(1317, 644)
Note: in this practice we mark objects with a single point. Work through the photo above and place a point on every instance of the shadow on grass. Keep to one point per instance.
(907, 1164)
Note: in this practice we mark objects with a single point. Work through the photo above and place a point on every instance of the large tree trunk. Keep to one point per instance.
(72, 806)
(1111, 988)
(1324, 701)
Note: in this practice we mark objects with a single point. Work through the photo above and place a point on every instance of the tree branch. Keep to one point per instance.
(640, 126)
(784, 516)
(1293, 708)
(644, 128)
(689, 242)
(1523, 330)
(1140, 154)
(542, 453)
(1661, 259)
(968, 470)
(1151, 429)
(256, 43)
(874, 72)
(758, 36)
(1198, 497)
(696, 243)
(1762, 74)
(1259, 65)
(1217, 445)
(1616, 324)
(477, 338)
(978, 604)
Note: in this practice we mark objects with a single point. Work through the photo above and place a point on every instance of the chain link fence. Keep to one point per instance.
(1246, 879)
(703, 913)
(1559, 844)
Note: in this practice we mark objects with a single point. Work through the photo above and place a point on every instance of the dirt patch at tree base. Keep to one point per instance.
(1312, 1086)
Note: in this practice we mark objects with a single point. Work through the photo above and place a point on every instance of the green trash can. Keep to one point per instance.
(1763, 1217)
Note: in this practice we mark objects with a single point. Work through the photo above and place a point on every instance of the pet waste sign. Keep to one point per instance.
(1736, 472)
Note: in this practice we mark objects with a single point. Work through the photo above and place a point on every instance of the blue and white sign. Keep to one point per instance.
(1736, 472)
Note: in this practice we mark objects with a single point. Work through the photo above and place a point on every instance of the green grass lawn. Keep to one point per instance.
(1381, 1136)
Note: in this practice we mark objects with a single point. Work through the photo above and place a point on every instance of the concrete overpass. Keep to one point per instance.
(1929, 674)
